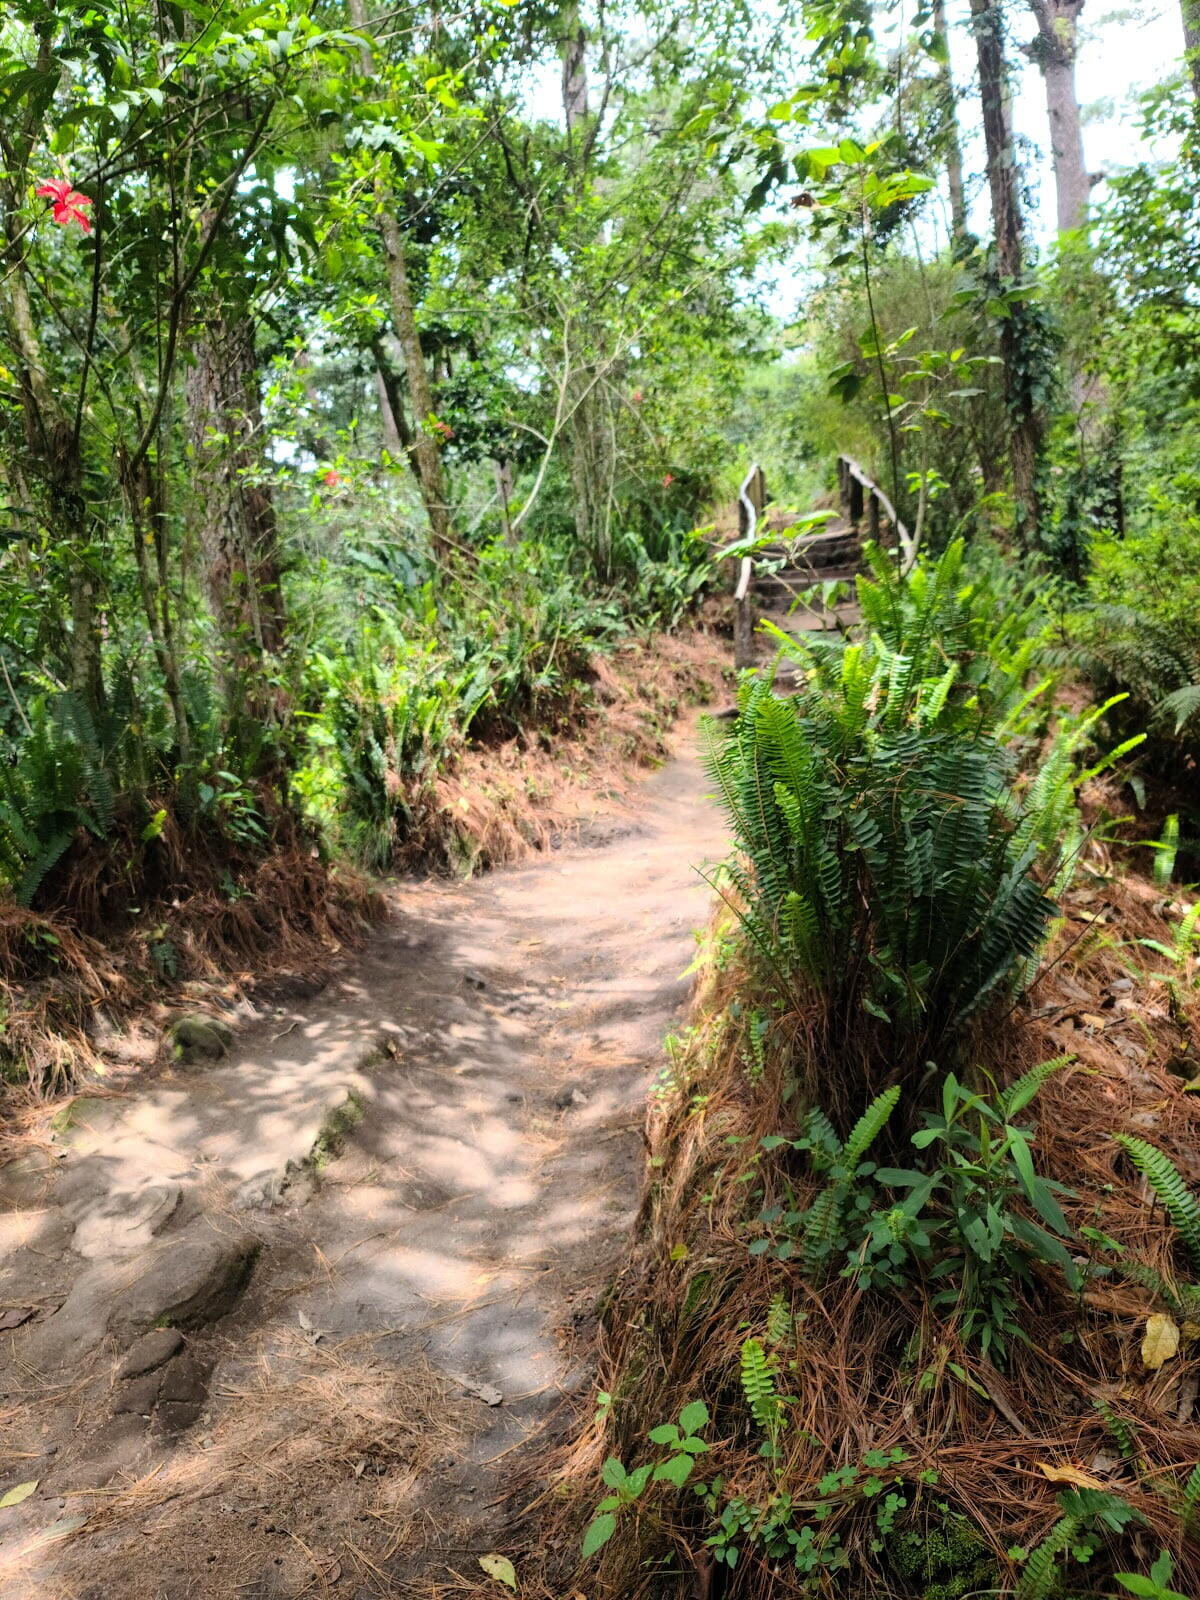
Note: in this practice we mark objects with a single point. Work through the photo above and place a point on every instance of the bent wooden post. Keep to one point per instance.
(752, 496)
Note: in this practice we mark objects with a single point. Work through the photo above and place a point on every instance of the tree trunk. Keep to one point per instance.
(423, 450)
(1054, 50)
(1025, 430)
(587, 428)
(1191, 42)
(573, 50)
(954, 161)
(238, 533)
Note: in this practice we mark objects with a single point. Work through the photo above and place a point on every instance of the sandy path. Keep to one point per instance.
(363, 1405)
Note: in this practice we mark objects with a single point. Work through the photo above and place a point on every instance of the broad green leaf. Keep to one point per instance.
(599, 1532)
(693, 1417)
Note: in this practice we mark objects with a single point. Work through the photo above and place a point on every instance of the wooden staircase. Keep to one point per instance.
(810, 559)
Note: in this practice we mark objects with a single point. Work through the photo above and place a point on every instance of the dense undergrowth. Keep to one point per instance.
(911, 1312)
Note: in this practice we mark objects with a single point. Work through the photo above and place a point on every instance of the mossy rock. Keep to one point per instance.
(199, 1038)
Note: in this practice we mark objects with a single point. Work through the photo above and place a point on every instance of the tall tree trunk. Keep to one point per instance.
(424, 450)
(573, 50)
(237, 524)
(426, 455)
(588, 425)
(1025, 428)
(1191, 42)
(954, 161)
(1054, 50)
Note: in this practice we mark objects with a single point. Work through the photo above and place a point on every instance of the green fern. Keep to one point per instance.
(780, 1321)
(884, 864)
(1039, 1578)
(758, 1386)
(868, 1128)
(1176, 1198)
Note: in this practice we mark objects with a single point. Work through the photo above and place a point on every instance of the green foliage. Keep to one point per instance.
(1163, 1176)
(886, 866)
(1140, 630)
(1087, 1515)
(804, 1530)
(683, 1444)
(53, 787)
(961, 1222)
(947, 1559)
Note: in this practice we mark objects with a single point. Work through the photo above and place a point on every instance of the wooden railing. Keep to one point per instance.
(862, 497)
(863, 502)
(752, 497)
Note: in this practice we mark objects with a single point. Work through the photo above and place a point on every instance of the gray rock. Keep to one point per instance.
(192, 1281)
(177, 1416)
(153, 1349)
(124, 1222)
(138, 1398)
(183, 1381)
(569, 1098)
(199, 1038)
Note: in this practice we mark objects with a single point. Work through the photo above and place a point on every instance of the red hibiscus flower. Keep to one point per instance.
(444, 428)
(668, 480)
(331, 479)
(68, 203)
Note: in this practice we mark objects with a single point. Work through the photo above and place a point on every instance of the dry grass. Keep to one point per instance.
(305, 1485)
(873, 1372)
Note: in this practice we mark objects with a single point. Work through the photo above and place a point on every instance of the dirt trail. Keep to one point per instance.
(425, 1231)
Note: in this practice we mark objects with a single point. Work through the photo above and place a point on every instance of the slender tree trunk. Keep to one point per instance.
(587, 428)
(573, 50)
(954, 161)
(238, 533)
(1025, 429)
(1191, 42)
(1054, 50)
(147, 523)
(424, 450)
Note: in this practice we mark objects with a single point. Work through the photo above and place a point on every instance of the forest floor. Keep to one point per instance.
(367, 1247)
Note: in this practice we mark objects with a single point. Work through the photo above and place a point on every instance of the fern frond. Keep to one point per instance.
(1161, 1173)
(1039, 1578)
(758, 1386)
(868, 1127)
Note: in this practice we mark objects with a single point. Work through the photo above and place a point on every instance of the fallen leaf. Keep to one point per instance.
(18, 1492)
(500, 1568)
(1075, 1475)
(62, 1529)
(14, 1316)
(1160, 1341)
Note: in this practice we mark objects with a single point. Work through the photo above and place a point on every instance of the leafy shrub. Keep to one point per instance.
(885, 862)
(963, 1223)
(391, 713)
(1141, 630)
(54, 785)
